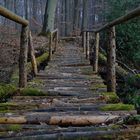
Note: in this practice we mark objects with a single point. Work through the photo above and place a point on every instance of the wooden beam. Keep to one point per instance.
(50, 46)
(111, 61)
(96, 53)
(133, 14)
(87, 45)
(56, 41)
(23, 57)
(32, 54)
(10, 15)
(84, 41)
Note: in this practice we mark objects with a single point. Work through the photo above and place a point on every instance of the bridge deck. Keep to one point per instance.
(72, 107)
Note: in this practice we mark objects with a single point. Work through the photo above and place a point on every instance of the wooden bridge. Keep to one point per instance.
(72, 101)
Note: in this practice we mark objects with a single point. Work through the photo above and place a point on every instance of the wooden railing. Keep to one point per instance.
(25, 42)
(53, 38)
(111, 50)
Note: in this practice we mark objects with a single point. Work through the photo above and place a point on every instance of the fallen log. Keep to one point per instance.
(122, 73)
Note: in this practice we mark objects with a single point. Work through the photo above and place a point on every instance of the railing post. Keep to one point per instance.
(32, 55)
(87, 45)
(96, 53)
(56, 41)
(23, 57)
(84, 41)
(50, 46)
(111, 61)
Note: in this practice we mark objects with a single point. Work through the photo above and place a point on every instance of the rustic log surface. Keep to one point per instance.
(71, 107)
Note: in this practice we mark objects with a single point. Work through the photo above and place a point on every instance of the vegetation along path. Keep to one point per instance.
(66, 101)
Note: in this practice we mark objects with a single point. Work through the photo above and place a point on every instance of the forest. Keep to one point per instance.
(70, 69)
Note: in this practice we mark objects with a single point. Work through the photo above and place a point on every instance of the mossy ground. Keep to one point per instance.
(97, 86)
(36, 83)
(117, 107)
(6, 91)
(32, 92)
(132, 120)
(87, 71)
(14, 127)
(111, 97)
(15, 77)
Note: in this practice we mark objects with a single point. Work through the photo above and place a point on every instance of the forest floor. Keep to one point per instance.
(72, 103)
(9, 49)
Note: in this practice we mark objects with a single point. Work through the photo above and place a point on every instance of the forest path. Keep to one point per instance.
(72, 107)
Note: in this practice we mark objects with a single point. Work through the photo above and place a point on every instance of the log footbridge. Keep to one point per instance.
(73, 101)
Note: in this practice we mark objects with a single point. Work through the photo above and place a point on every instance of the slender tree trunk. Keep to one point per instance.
(67, 13)
(84, 15)
(35, 9)
(76, 14)
(26, 9)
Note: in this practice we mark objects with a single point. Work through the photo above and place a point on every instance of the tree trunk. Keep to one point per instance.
(48, 24)
(23, 57)
(84, 15)
(26, 9)
(67, 12)
(76, 15)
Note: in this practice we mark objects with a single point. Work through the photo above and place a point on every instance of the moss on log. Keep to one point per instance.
(119, 70)
(44, 57)
(117, 107)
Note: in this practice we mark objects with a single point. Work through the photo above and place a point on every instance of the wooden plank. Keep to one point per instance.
(87, 45)
(32, 55)
(133, 14)
(50, 46)
(10, 15)
(84, 41)
(96, 53)
(23, 57)
(111, 61)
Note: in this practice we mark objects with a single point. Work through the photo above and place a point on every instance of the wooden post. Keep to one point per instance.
(111, 61)
(84, 41)
(96, 53)
(50, 46)
(87, 45)
(56, 40)
(32, 54)
(23, 57)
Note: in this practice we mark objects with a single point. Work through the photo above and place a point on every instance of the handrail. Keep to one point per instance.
(23, 43)
(111, 47)
(10, 15)
(133, 14)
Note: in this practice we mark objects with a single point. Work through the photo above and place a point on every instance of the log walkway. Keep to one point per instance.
(72, 107)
